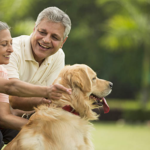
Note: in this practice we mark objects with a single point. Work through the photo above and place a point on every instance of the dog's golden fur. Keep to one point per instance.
(51, 127)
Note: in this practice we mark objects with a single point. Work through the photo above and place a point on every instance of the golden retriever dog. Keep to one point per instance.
(64, 124)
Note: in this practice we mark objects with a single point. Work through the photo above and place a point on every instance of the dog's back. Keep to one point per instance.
(53, 128)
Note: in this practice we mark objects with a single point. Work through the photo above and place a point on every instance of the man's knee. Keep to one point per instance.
(1, 141)
(8, 135)
(1, 144)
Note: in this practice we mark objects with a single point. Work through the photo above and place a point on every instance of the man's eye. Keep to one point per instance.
(4, 44)
(41, 32)
(55, 38)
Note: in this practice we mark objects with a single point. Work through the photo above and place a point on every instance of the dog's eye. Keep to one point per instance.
(94, 78)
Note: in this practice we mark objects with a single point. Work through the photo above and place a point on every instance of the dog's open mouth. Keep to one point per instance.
(100, 102)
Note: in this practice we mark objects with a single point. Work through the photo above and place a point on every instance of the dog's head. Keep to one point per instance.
(88, 91)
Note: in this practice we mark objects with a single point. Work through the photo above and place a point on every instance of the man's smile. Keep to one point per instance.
(44, 46)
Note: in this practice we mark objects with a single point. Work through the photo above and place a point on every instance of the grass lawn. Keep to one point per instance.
(115, 136)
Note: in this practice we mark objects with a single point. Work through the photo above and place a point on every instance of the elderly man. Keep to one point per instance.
(38, 58)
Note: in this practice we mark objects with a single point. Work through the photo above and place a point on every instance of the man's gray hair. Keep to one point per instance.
(4, 26)
(54, 14)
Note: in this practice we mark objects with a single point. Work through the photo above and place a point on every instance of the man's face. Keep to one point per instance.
(46, 39)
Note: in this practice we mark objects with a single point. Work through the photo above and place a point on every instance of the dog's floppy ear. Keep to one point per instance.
(80, 79)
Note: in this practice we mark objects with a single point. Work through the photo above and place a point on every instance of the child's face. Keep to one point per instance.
(5, 46)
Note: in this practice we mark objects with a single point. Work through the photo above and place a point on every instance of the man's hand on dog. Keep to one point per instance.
(56, 90)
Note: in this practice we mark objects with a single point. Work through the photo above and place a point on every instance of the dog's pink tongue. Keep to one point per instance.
(105, 106)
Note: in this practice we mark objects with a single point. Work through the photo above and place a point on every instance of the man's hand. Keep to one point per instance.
(55, 91)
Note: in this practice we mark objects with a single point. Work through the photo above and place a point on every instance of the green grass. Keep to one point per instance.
(118, 136)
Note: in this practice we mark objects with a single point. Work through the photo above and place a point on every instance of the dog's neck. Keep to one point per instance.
(70, 109)
(73, 103)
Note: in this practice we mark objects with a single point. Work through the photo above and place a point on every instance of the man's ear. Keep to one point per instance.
(34, 27)
(63, 42)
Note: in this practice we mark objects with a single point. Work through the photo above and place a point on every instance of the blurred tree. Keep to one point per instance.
(82, 45)
(14, 13)
(129, 28)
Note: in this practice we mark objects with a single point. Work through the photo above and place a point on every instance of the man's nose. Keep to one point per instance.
(46, 39)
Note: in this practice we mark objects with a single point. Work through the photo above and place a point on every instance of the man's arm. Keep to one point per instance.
(51, 92)
(20, 113)
(20, 88)
(26, 104)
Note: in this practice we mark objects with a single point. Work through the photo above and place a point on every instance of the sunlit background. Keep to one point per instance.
(112, 37)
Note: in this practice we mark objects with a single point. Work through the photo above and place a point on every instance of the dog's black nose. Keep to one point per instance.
(111, 84)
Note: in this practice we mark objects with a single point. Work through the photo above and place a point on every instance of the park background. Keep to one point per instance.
(113, 38)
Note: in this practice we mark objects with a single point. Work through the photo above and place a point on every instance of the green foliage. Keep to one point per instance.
(126, 104)
(24, 27)
(15, 13)
(127, 109)
(89, 41)
(121, 33)
(11, 10)
(136, 115)
(128, 29)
